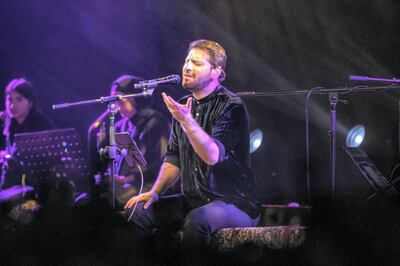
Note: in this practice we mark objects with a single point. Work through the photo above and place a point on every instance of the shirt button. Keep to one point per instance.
(195, 169)
(208, 199)
(197, 114)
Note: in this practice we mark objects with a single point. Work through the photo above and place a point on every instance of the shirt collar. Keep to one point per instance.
(209, 96)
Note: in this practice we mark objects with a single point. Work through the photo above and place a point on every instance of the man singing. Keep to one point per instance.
(209, 150)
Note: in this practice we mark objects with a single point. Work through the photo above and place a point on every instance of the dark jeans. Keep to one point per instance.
(195, 221)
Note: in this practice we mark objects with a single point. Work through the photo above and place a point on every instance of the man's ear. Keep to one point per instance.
(217, 72)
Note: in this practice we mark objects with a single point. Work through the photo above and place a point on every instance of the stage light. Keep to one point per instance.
(355, 136)
(256, 137)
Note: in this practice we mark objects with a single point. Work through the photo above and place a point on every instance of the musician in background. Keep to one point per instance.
(149, 128)
(22, 115)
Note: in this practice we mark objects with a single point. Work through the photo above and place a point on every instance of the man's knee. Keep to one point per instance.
(196, 227)
(140, 218)
(135, 212)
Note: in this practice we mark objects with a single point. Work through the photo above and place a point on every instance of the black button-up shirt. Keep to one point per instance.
(223, 116)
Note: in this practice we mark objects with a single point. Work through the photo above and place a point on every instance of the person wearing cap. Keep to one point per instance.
(148, 127)
(209, 151)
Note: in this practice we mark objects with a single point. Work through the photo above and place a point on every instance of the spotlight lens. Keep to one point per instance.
(257, 143)
(358, 140)
(355, 136)
(256, 137)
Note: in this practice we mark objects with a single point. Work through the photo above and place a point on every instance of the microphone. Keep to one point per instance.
(152, 83)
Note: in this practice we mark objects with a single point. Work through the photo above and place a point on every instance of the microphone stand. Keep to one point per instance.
(110, 151)
(333, 95)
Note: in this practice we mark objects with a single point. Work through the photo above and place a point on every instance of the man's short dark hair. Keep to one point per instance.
(215, 51)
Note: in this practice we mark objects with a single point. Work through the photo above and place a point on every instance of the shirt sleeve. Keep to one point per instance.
(172, 154)
(229, 128)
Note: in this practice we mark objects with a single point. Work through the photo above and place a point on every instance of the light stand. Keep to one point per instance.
(333, 100)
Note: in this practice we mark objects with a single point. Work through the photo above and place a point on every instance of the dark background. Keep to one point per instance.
(73, 50)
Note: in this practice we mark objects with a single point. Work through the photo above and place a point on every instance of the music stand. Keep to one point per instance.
(133, 155)
(128, 149)
(52, 155)
(371, 173)
(110, 151)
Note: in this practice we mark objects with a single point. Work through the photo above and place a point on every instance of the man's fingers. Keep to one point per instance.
(148, 203)
(189, 103)
(167, 100)
(172, 101)
(132, 202)
(128, 204)
(164, 96)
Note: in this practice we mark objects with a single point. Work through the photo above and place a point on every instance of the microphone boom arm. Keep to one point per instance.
(104, 99)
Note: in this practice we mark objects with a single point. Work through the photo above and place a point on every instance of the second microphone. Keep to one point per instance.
(152, 83)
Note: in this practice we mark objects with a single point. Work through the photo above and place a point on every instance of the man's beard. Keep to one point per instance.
(198, 86)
